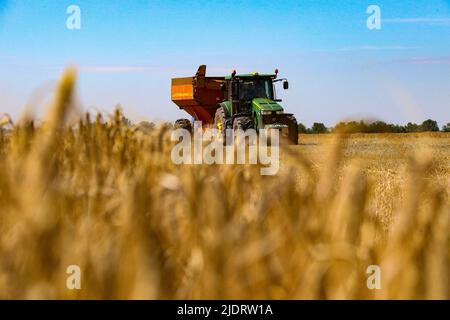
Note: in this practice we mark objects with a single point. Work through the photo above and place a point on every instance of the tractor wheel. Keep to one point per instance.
(221, 124)
(243, 123)
(183, 124)
(293, 130)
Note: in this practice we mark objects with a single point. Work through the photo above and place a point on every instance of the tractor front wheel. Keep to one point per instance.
(293, 130)
(242, 123)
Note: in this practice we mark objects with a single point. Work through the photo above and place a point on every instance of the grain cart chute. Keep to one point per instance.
(243, 102)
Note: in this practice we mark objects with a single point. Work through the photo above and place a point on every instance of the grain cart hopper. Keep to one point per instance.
(233, 102)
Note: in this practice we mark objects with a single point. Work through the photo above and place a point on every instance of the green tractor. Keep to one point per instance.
(239, 102)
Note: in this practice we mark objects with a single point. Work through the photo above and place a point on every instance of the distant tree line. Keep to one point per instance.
(374, 127)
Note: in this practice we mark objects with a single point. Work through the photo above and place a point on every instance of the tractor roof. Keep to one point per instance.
(252, 75)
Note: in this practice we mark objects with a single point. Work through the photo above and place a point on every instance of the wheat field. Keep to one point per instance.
(106, 196)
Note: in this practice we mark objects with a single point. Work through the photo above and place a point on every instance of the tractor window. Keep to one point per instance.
(255, 88)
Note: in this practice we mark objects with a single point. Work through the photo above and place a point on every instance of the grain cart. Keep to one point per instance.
(243, 102)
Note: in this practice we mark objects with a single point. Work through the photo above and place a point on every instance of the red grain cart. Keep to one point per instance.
(199, 96)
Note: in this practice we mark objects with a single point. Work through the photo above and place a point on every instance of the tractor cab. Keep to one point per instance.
(247, 91)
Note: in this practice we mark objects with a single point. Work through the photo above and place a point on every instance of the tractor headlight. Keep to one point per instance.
(264, 112)
(280, 112)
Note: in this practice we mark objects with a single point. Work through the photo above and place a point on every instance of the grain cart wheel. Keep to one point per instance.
(183, 124)
(293, 130)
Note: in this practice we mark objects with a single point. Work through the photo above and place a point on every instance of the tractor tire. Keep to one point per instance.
(221, 124)
(183, 124)
(243, 123)
(293, 130)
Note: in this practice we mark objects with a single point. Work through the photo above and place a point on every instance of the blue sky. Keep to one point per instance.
(127, 51)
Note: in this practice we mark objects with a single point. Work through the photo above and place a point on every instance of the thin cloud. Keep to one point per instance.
(112, 69)
(419, 20)
(421, 61)
(429, 60)
(374, 48)
(160, 69)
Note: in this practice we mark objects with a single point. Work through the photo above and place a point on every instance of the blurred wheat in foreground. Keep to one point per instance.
(106, 196)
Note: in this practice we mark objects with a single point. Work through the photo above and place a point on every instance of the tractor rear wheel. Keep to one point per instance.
(221, 124)
(183, 124)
